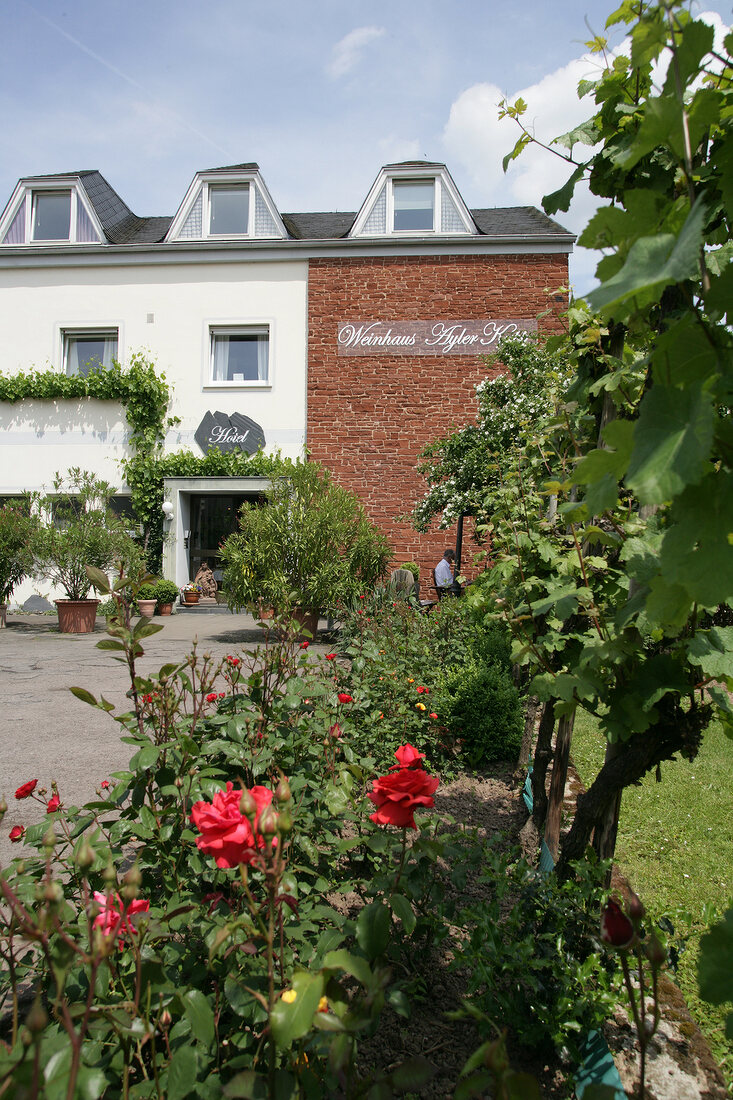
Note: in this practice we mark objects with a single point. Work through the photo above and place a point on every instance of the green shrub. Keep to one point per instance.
(166, 592)
(147, 592)
(413, 567)
(483, 711)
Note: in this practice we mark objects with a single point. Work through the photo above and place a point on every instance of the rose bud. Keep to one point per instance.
(3, 809)
(86, 855)
(37, 1018)
(247, 805)
(635, 908)
(284, 821)
(282, 791)
(131, 884)
(616, 928)
(654, 950)
(268, 822)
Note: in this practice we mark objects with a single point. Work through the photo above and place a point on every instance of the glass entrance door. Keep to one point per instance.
(213, 518)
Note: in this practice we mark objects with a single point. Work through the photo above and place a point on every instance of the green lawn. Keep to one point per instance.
(675, 845)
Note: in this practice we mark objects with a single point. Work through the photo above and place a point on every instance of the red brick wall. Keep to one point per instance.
(370, 416)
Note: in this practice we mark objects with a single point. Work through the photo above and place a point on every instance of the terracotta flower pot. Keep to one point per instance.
(147, 608)
(191, 597)
(165, 609)
(77, 616)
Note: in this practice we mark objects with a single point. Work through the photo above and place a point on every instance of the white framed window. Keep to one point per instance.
(51, 216)
(413, 206)
(229, 209)
(88, 349)
(239, 355)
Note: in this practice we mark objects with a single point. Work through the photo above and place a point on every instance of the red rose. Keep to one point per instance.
(211, 697)
(400, 793)
(336, 731)
(423, 691)
(330, 656)
(616, 928)
(53, 804)
(235, 662)
(226, 833)
(27, 789)
(114, 918)
(222, 695)
(17, 833)
(433, 714)
(304, 645)
(344, 698)
(408, 757)
(104, 784)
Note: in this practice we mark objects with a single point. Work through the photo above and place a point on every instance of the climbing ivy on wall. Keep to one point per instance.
(143, 393)
(145, 396)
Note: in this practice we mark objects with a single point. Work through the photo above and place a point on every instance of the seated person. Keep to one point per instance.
(444, 574)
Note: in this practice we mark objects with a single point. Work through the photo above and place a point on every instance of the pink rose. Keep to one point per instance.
(114, 918)
(226, 833)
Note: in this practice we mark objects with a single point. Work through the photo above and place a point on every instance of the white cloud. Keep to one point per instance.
(346, 53)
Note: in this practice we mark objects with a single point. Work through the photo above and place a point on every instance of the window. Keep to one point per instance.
(51, 215)
(229, 209)
(88, 349)
(240, 355)
(414, 205)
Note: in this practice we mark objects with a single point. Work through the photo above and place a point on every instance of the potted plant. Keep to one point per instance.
(146, 599)
(77, 528)
(309, 548)
(191, 592)
(16, 559)
(166, 594)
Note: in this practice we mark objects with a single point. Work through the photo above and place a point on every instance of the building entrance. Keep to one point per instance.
(213, 519)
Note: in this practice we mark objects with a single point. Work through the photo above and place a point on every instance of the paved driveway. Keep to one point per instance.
(46, 733)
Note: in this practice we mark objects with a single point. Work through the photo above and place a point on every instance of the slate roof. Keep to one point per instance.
(121, 226)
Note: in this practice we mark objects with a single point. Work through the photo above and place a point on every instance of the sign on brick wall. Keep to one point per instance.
(428, 337)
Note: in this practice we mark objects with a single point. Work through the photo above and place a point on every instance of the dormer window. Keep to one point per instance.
(413, 199)
(413, 206)
(227, 204)
(40, 213)
(228, 209)
(51, 215)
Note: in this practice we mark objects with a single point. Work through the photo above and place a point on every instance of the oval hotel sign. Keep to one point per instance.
(428, 337)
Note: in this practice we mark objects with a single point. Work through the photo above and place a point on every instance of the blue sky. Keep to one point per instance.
(320, 93)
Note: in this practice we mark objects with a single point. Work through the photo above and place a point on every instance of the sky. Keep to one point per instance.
(320, 93)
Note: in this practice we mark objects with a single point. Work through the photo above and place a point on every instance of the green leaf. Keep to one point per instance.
(373, 929)
(713, 651)
(290, 1020)
(560, 199)
(99, 579)
(402, 909)
(715, 963)
(413, 1075)
(696, 551)
(672, 441)
(182, 1073)
(653, 262)
(84, 695)
(200, 1015)
(351, 964)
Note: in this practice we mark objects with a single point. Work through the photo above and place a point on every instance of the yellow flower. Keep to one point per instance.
(289, 996)
(420, 706)
(323, 1004)
(411, 680)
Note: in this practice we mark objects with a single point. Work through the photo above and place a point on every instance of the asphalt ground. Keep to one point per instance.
(47, 734)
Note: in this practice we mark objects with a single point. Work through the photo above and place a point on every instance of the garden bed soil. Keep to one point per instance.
(680, 1064)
